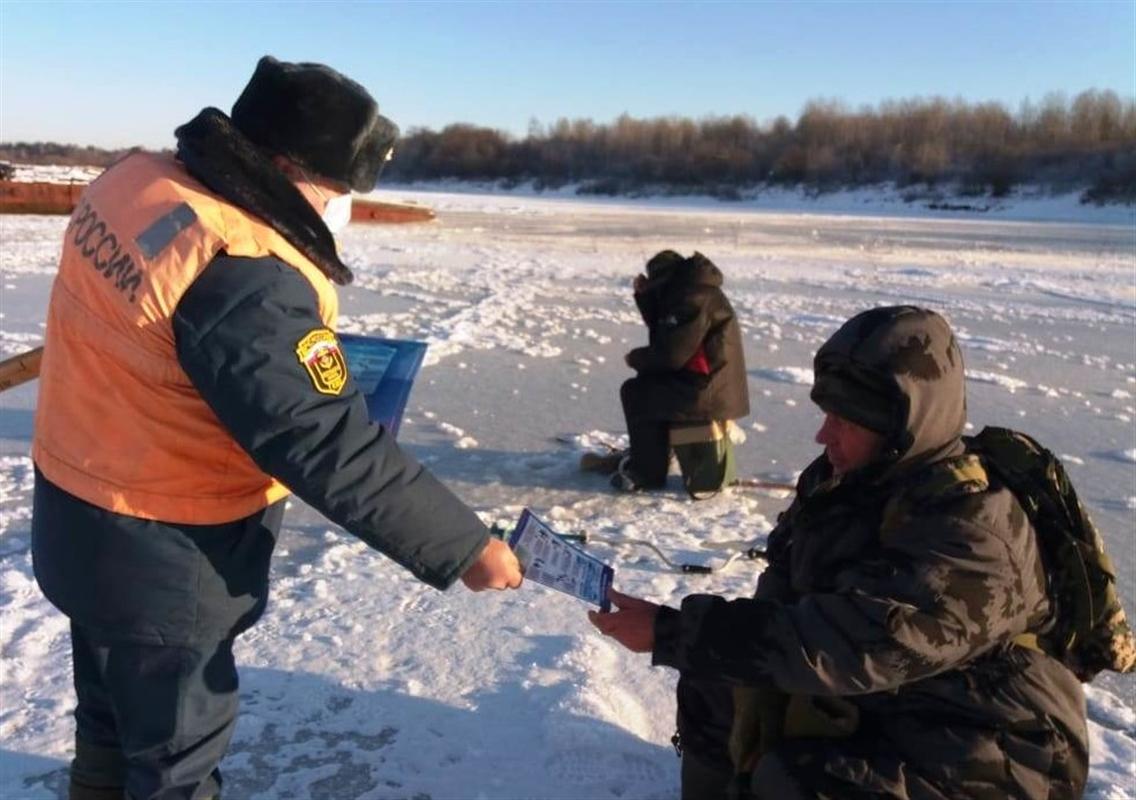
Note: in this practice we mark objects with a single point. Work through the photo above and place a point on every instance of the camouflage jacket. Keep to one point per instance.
(890, 610)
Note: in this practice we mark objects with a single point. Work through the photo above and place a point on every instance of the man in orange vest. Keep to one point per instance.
(191, 380)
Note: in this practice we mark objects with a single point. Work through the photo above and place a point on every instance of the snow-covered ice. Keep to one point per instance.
(361, 683)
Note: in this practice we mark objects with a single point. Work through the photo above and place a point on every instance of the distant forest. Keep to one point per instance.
(1085, 143)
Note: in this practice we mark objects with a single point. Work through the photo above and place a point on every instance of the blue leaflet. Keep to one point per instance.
(384, 371)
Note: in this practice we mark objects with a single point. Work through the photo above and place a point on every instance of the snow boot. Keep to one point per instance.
(624, 478)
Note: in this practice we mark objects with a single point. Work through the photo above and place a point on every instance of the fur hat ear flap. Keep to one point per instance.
(317, 117)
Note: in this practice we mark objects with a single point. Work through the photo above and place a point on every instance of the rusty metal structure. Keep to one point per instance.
(45, 197)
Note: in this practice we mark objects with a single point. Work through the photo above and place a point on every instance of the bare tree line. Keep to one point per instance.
(64, 155)
(1087, 142)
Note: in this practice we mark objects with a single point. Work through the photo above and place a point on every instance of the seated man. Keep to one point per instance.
(691, 371)
(879, 657)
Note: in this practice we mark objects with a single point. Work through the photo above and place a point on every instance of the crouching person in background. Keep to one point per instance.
(191, 379)
(891, 649)
(691, 374)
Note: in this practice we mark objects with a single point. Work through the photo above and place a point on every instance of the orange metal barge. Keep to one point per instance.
(40, 197)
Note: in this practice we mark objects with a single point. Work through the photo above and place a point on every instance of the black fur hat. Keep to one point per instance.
(317, 117)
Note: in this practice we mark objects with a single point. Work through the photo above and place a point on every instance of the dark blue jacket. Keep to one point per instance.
(236, 331)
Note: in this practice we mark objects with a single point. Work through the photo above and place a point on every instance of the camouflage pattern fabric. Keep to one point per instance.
(1090, 631)
(889, 609)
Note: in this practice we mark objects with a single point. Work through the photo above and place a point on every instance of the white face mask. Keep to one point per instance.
(337, 213)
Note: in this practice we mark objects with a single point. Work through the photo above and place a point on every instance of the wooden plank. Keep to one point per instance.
(20, 368)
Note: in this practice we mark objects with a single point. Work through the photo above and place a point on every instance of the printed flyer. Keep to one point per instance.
(550, 560)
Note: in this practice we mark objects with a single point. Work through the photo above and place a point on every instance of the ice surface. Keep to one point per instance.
(362, 683)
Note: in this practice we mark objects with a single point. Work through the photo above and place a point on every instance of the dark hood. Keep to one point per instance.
(224, 160)
(668, 268)
(896, 370)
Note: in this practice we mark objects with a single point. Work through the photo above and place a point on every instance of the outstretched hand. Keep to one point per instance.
(633, 625)
(496, 568)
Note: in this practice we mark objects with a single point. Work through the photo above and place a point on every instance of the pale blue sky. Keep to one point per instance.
(125, 73)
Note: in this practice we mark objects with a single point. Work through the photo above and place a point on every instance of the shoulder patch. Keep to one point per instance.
(322, 357)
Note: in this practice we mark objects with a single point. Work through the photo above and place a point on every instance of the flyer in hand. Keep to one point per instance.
(550, 560)
(384, 370)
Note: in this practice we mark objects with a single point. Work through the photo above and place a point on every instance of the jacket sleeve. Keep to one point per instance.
(675, 337)
(773, 582)
(646, 301)
(945, 592)
(236, 332)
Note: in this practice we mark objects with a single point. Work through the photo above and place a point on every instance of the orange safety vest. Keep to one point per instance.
(118, 422)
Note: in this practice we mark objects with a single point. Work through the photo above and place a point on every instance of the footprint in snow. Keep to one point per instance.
(589, 766)
(540, 463)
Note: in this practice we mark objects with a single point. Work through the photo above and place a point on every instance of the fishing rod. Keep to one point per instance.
(748, 553)
(752, 553)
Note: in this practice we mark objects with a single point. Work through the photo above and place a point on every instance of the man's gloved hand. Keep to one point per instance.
(496, 568)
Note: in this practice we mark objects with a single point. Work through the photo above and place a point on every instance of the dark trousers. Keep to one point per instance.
(705, 780)
(705, 716)
(648, 431)
(154, 609)
(152, 720)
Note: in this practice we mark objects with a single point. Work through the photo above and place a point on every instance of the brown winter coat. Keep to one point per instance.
(685, 309)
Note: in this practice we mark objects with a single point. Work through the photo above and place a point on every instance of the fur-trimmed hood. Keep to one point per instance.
(224, 160)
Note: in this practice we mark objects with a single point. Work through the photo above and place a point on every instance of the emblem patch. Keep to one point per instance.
(320, 354)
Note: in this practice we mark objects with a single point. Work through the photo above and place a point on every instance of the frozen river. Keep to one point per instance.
(361, 683)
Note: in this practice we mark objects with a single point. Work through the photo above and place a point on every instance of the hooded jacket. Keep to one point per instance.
(694, 341)
(886, 617)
